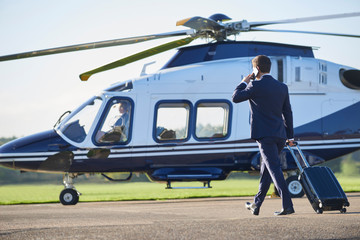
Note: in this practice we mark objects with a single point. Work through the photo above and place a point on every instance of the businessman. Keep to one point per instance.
(271, 126)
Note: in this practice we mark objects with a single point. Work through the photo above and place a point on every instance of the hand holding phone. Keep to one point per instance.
(252, 77)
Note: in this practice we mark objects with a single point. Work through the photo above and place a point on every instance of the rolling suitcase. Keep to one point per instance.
(320, 186)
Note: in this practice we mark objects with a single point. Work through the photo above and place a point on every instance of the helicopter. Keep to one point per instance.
(179, 124)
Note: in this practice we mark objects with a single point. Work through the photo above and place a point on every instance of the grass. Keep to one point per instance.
(19, 194)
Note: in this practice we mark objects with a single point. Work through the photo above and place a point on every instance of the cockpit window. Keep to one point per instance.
(115, 126)
(77, 126)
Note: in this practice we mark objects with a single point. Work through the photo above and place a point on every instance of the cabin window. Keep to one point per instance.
(212, 120)
(172, 121)
(115, 126)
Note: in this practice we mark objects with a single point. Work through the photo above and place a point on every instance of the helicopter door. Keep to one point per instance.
(170, 130)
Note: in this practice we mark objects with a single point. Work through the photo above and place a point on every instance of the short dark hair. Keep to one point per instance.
(263, 62)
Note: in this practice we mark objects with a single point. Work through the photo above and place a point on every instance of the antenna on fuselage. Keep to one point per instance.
(143, 71)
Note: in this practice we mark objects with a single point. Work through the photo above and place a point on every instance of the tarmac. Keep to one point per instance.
(202, 218)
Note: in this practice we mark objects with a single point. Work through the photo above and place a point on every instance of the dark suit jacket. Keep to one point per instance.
(271, 114)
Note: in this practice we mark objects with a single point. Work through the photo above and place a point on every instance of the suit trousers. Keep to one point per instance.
(270, 170)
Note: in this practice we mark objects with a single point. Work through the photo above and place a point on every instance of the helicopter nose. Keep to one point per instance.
(34, 152)
(6, 152)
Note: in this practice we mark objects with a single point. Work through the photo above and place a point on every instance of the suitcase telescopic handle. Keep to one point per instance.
(296, 144)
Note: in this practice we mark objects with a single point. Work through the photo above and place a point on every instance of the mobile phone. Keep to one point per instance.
(254, 74)
(252, 77)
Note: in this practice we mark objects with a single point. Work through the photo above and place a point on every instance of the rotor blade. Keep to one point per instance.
(306, 19)
(200, 23)
(93, 45)
(138, 56)
(308, 32)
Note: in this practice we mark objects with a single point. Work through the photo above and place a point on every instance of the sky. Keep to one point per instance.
(34, 92)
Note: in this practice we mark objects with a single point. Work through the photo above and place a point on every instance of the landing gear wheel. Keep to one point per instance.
(294, 186)
(69, 197)
(343, 210)
(319, 211)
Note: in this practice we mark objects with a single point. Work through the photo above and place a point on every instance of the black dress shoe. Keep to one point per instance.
(285, 211)
(253, 208)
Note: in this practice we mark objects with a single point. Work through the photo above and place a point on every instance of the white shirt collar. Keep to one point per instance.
(263, 76)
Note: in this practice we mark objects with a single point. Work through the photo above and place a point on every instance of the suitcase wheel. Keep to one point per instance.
(319, 211)
(343, 210)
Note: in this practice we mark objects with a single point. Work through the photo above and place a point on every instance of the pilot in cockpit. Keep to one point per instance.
(118, 131)
(123, 121)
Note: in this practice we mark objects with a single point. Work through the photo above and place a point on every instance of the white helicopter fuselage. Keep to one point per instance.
(314, 93)
(182, 124)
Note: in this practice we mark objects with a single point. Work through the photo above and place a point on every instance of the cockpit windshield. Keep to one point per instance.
(77, 126)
